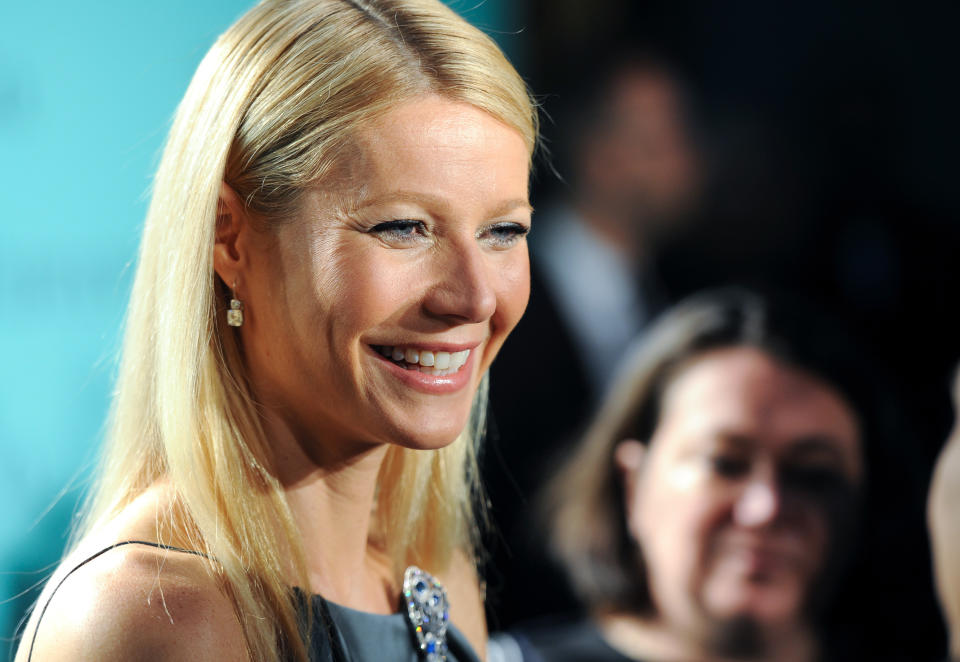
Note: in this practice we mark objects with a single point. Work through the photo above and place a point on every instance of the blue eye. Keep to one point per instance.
(399, 231)
(504, 235)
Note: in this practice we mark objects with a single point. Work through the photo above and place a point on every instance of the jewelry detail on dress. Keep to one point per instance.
(235, 312)
(428, 613)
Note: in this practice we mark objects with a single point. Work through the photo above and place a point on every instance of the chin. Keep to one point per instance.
(774, 598)
(765, 608)
(425, 439)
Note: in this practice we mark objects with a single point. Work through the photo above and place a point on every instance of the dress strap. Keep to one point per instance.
(334, 635)
(156, 545)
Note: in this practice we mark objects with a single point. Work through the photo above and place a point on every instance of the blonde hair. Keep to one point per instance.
(270, 109)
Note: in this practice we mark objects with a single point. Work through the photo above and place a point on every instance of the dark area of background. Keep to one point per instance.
(830, 132)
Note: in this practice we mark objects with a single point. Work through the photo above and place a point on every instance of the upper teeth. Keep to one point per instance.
(436, 362)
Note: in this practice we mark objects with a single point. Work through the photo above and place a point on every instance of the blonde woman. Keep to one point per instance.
(333, 255)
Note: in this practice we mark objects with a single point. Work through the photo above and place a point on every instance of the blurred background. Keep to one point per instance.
(807, 146)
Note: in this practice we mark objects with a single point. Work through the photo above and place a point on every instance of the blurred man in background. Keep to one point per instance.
(633, 176)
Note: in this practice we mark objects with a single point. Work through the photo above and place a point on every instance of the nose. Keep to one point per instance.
(463, 289)
(759, 503)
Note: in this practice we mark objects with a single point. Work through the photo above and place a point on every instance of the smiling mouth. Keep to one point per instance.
(425, 361)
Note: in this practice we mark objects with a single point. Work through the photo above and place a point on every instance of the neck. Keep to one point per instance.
(330, 489)
(652, 639)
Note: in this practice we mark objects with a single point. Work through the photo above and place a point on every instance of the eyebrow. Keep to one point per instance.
(817, 444)
(428, 200)
(734, 439)
(805, 446)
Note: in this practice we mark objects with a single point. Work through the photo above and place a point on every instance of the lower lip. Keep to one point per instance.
(431, 384)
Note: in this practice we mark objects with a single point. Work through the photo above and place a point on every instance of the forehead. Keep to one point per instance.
(447, 148)
(744, 393)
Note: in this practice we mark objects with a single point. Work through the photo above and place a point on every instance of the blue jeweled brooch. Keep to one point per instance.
(428, 613)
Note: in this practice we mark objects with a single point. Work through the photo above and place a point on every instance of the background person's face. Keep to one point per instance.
(732, 503)
(429, 258)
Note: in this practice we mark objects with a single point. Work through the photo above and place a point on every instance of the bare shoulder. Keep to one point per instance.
(466, 601)
(132, 601)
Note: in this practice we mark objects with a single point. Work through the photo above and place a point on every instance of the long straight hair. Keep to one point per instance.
(271, 108)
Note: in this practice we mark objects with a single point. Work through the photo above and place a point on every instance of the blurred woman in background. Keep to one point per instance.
(333, 255)
(713, 502)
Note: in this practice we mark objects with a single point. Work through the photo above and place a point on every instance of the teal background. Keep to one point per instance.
(87, 91)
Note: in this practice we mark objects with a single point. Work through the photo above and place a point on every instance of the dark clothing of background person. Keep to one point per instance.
(540, 399)
(578, 641)
(635, 175)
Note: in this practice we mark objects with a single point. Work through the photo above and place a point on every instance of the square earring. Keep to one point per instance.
(235, 312)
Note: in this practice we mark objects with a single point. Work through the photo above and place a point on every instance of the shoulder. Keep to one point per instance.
(132, 601)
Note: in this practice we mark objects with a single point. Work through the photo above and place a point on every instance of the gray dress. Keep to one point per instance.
(359, 636)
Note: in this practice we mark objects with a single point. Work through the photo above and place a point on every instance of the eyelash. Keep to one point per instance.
(516, 233)
(399, 231)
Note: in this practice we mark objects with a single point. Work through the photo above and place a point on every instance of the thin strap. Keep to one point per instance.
(338, 648)
(171, 548)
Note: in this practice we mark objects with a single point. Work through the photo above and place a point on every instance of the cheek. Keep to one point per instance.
(358, 289)
(829, 524)
(675, 519)
(513, 289)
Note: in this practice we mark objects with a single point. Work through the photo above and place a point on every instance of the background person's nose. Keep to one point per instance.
(759, 502)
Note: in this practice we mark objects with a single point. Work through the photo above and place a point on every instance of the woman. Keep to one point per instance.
(711, 505)
(333, 255)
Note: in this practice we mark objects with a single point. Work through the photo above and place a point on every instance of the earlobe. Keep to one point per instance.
(229, 258)
(629, 455)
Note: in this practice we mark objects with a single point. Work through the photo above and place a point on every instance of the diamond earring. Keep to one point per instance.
(235, 312)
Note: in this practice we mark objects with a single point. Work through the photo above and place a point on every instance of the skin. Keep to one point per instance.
(135, 602)
(945, 528)
(418, 242)
(726, 504)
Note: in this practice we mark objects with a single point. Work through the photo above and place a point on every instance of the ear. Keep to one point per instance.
(629, 456)
(230, 258)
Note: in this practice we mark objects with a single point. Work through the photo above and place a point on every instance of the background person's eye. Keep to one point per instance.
(399, 231)
(729, 466)
(813, 478)
(504, 235)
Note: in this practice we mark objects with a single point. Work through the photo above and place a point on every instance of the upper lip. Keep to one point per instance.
(431, 346)
(788, 545)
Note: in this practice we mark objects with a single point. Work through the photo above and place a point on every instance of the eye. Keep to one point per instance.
(729, 466)
(401, 231)
(503, 235)
(812, 478)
